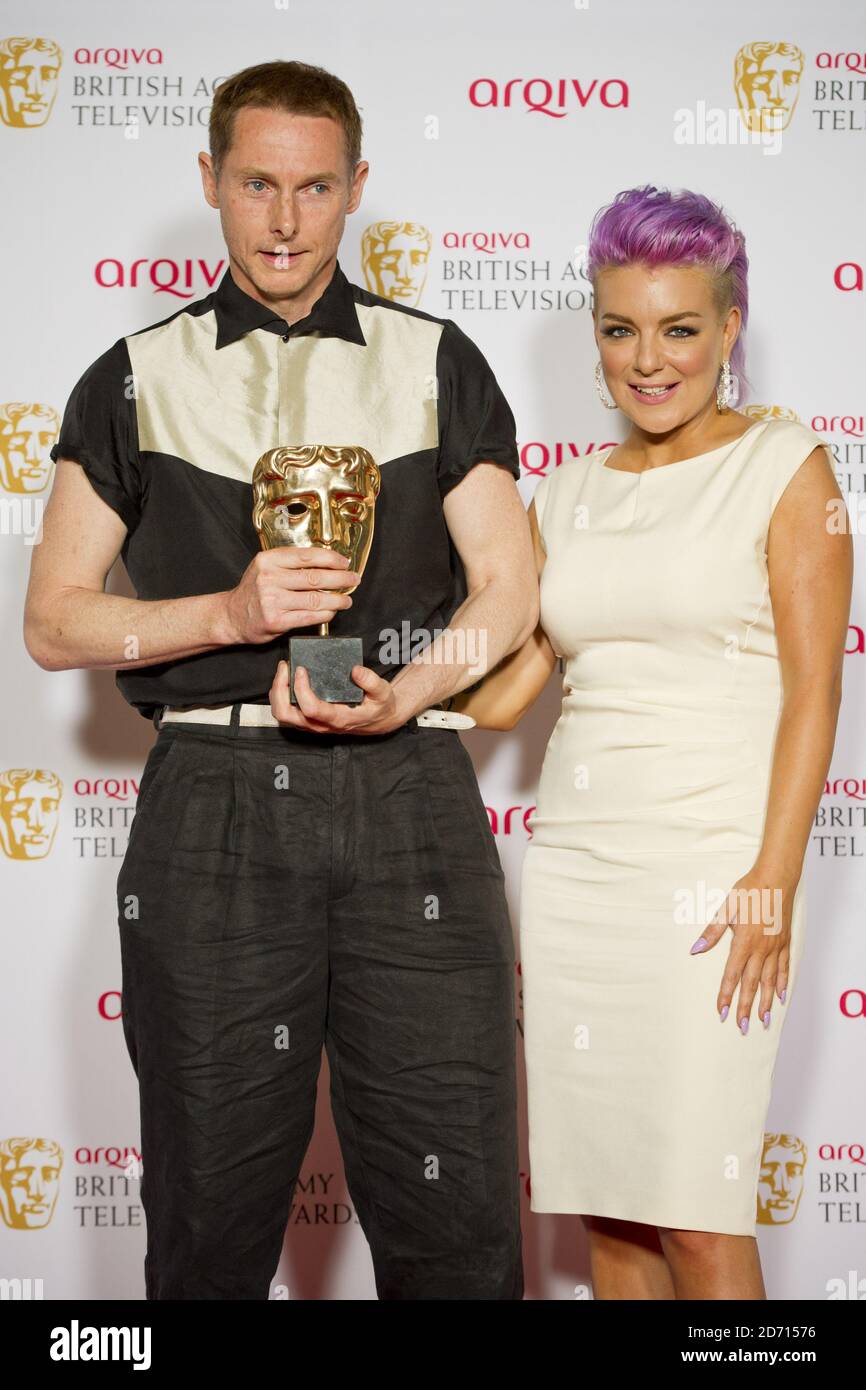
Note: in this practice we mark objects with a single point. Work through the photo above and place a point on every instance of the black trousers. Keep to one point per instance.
(282, 891)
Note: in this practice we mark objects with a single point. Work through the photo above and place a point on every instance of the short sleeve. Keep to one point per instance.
(100, 432)
(475, 420)
(792, 449)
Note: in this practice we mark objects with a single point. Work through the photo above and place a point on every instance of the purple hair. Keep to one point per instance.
(654, 226)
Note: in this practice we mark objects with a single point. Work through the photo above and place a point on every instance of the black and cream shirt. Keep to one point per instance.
(168, 425)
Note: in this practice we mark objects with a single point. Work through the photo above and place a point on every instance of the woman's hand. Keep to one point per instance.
(758, 910)
(377, 713)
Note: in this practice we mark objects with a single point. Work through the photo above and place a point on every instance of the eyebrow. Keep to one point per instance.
(308, 178)
(671, 318)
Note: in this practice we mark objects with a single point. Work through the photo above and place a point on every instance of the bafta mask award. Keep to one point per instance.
(323, 495)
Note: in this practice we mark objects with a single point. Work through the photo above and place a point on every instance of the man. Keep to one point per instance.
(311, 873)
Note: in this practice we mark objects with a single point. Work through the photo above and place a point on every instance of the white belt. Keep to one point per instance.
(261, 716)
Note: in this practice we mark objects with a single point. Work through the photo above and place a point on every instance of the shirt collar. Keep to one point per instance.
(333, 315)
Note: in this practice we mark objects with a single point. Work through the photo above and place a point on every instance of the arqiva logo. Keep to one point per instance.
(118, 57)
(839, 424)
(118, 788)
(110, 1005)
(555, 98)
(505, 827)
(176, 278)
(853, 787)
(852, 1003)
(848, 276)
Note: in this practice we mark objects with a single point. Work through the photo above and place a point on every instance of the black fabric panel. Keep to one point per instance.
(476, 424)
(100, 432)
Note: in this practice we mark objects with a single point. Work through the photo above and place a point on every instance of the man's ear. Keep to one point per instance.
(359, 178)
(208, 179)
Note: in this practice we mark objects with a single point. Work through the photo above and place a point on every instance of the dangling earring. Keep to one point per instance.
(600, 388)
(727, 388)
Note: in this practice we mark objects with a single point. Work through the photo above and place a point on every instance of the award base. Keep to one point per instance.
(328, 662)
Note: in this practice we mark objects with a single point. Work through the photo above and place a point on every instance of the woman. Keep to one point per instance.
(692, 582)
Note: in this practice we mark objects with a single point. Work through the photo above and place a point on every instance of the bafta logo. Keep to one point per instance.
(767, 83)
(27, 433)
(29, 69)
(322, 495)
(770, 412)
(29, 1182)
(394, 257)
(780, 1183)
(29, 808)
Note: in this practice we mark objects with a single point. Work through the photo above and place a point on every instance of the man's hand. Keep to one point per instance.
(286, 588)
(378, 712)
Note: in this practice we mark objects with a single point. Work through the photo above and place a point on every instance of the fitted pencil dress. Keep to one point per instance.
(643, 1106)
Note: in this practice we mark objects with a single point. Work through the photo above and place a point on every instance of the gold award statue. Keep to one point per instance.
(323, 495)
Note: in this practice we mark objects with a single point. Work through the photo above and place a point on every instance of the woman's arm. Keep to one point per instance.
(507, 692)
(810, 565)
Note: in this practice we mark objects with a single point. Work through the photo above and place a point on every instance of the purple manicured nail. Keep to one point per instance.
(698, 946)
(725, 1011)
(744, 1026)
(782, 996)
(766, 1018)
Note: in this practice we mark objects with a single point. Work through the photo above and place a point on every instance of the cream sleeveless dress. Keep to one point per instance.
(642, 1105)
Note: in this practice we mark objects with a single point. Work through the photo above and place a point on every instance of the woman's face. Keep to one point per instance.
(661, 341)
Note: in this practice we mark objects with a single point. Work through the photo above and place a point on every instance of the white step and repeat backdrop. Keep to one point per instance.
(494, 130)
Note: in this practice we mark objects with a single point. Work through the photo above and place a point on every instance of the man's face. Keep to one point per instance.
(283, 193)
(24, 453)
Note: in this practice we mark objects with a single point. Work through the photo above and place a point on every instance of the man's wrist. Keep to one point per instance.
(222, 631)
(408, 704)
(412, 701)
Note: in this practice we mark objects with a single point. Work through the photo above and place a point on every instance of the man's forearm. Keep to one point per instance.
(493, 621)
(87, 629)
